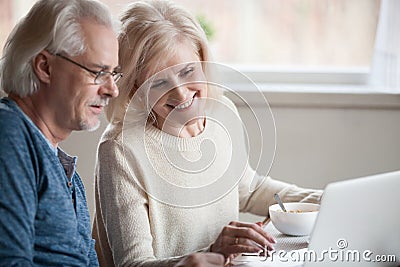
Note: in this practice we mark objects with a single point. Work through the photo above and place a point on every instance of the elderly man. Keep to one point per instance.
(59, 69)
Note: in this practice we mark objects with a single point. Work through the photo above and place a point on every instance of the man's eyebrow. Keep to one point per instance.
(118, 68)
(106, 67)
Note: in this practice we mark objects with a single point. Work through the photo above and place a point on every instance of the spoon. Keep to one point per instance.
(278, 199)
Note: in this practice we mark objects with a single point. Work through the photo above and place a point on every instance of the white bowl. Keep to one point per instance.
(299, 219)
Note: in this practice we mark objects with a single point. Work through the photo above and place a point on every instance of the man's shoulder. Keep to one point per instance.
(9, 113)
(17, 131)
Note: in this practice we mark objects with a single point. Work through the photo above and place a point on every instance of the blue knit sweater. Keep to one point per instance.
(44, 219)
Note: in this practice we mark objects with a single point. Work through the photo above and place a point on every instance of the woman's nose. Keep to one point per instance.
(179, 92)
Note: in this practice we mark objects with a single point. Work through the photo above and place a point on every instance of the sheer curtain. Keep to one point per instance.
(385, 71)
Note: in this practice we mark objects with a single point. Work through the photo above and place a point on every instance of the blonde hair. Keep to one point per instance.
(150, 31)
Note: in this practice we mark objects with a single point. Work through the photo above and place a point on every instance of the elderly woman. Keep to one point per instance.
(171, 177)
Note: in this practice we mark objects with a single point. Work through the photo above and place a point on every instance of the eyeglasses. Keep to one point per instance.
(101, 76)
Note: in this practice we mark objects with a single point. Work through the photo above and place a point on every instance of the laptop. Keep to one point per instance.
(358, 223)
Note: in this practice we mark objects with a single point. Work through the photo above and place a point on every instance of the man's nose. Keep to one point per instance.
(109, 88)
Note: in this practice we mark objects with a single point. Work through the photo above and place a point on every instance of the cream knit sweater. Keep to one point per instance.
(149, 208)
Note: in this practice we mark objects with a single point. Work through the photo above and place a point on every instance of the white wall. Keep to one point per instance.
(323, 138)
(320, 138)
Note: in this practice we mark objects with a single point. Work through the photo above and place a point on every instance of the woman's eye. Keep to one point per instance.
(187, 72)
(158, 83)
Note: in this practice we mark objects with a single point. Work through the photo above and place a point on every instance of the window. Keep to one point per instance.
(291, 33)
(293, 42)
(274, 36)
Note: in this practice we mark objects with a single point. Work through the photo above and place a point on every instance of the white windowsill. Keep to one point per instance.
(308, 88)
(317, 96)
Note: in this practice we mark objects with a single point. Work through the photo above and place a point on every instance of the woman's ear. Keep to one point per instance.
(41, 66)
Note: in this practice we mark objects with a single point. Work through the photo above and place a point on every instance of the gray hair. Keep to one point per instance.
(150, 31)
(52, 25)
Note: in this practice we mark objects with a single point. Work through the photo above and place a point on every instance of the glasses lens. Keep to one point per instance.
(117, 76)
(103, 76)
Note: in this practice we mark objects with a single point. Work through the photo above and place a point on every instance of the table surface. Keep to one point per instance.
(284, 242)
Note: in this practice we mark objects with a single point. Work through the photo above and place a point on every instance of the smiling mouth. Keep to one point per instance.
(184, 105)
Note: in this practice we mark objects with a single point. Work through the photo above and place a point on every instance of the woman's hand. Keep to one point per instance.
(238, 237)
(202, 260)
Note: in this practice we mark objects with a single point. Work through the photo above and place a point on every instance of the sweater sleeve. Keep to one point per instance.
(257, 199)
(123, 207)
(18, 198)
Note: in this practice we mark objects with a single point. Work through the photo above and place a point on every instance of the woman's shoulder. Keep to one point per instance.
(112, 132)
(120, 137)
(229, 103)
(224, 102)
(119, 132)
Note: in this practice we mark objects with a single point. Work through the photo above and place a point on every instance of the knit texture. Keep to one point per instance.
(44, 218)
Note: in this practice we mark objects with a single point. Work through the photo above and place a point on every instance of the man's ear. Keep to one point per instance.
(41, 66)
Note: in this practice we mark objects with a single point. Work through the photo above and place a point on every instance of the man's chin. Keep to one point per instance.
(94, 128)
(90, 127)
